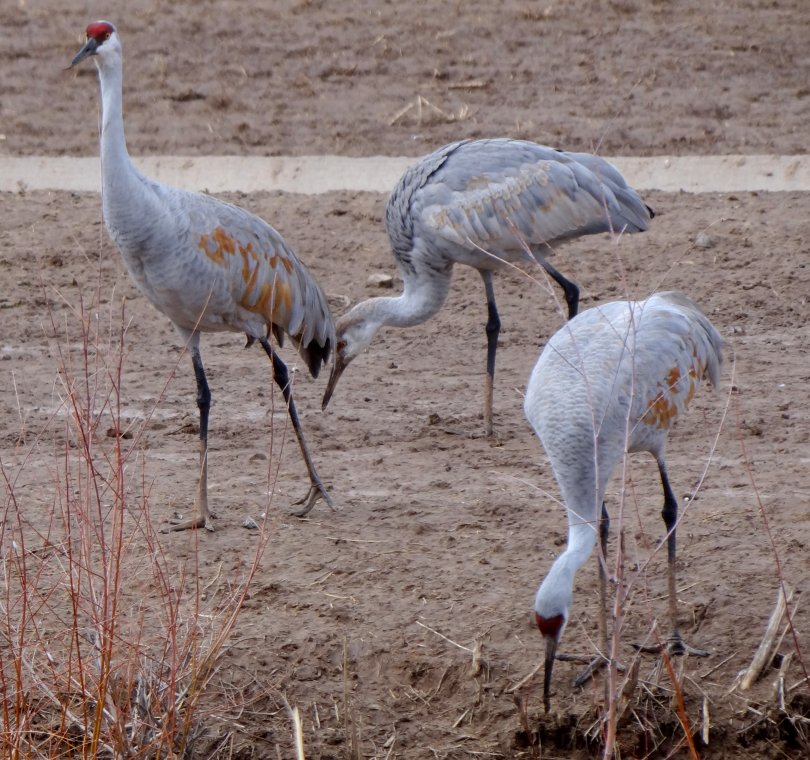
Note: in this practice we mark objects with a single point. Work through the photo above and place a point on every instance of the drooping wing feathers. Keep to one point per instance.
(694, 324)
(613, 380)
(604, 181)
(272, 281)
(540, 203)
(256, 282)
(490, 193)
(645, 358)
(635, 212)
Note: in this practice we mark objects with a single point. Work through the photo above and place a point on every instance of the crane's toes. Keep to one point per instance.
(594, 666)
(470, 434)
(316, 491)
(177, 524)
(691, 651)
(675, 646)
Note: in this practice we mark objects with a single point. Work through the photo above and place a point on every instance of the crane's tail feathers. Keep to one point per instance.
(715, 353)
(315, 355)
(632, 214)
(626, 210)
(277, 333)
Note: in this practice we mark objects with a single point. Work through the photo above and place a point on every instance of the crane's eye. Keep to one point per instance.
(107, 36)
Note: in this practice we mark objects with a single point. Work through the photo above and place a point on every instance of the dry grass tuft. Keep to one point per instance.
(421, 111)
(107, 644)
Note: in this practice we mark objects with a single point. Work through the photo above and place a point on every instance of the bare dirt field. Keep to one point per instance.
(399, 624)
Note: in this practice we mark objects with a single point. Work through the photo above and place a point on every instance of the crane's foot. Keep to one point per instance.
(674, 646)
(593, 667)
(470, 435)
(316, 491)
(177, 524)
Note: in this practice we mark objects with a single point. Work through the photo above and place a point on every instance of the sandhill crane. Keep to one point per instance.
(613, 380)
(207, 265)
(482, 203)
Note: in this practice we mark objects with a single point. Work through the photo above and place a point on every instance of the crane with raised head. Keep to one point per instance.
(209, 266)
(485, 203)
(613, 381)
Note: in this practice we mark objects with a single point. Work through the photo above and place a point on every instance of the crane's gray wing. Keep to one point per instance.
(631, 212)
(642, 358)
(675, 348)
(263, 275)
(498, 193)
(669, 347)
(678, 324)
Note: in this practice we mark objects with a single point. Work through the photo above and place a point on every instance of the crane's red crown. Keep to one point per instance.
(100, 31)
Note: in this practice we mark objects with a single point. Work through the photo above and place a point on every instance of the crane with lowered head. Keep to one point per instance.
(612, 381)
(486, 203)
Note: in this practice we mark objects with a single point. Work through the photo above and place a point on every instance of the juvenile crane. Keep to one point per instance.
(481, 203)
(207, 265)
(613, 380)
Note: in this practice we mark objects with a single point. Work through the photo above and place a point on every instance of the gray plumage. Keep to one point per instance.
(210, 266)
(207, 265)
(471, 193)
(482, 203)
(613, 380)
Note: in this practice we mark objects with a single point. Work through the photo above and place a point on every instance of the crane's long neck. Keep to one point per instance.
(556, 591)
(423, 296)
(113, 144)
(114, 155)
(123, 190)
(581, 540)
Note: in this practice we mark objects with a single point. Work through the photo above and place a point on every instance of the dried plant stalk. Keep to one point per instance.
(766, 647)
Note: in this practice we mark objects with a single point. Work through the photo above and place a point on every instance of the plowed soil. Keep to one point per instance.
(400, 624)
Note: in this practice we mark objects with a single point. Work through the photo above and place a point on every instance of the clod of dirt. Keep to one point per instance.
(380, 280)
(705, 240)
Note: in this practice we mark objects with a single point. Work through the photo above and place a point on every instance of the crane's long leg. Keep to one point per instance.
(604, 530)
(203, 519)
(675, 644)
(570, 291)
(282, 379)
(493, 329)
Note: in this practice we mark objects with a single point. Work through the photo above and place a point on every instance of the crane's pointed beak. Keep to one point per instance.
(337, 371)
(88, 49)
(551, 652)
